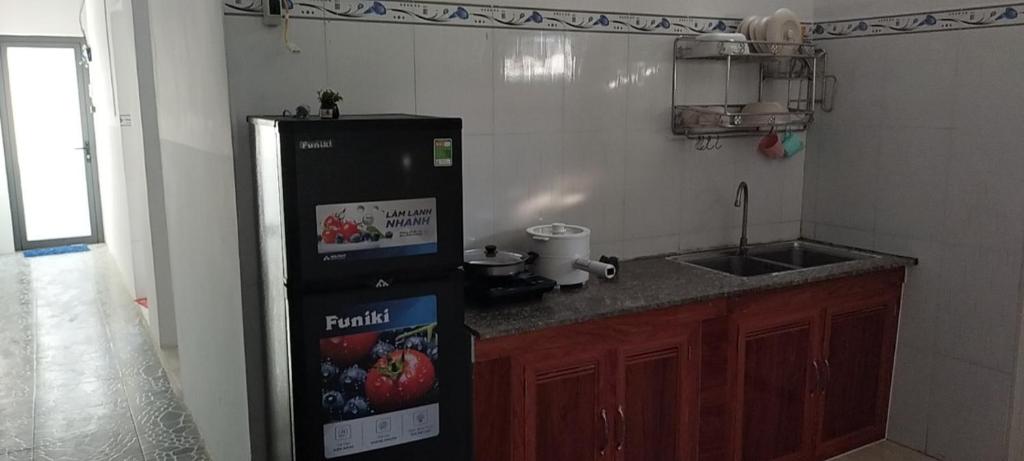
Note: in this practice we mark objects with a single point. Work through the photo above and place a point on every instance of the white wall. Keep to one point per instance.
(187, 39)
(590, 144)
(109, 153)
(6, 219)
(51, 18)
(121, 34)
(922, 157)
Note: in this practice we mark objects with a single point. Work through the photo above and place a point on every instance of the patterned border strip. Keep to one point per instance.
(491, 16)
(960, 19)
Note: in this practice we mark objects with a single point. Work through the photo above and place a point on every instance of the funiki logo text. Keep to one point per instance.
(316, 144)
(368, 318)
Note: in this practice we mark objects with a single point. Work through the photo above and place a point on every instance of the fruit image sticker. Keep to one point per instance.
(373, 230)
(379, 383)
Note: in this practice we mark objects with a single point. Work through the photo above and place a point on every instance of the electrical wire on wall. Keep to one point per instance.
(86, 49)
(286, 6)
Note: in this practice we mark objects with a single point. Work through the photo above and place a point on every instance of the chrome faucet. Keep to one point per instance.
(743, 195)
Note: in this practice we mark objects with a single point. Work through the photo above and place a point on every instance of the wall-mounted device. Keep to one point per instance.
(272, 12)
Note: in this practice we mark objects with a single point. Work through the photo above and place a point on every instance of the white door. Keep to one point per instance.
(48, 139)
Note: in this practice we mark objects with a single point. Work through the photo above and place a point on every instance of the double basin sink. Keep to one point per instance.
(770, 258)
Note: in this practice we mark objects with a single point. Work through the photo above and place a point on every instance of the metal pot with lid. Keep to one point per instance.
(491, 262)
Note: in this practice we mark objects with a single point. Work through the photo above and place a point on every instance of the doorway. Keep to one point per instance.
(46, 117)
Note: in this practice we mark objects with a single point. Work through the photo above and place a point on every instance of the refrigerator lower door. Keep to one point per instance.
(384, 374)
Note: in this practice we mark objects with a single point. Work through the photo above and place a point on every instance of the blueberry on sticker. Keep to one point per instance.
(332, 402)
(664, 24)
(356, 407)
(353, 380)
(721, 25)
(535, 17)
(862, 26)
(1010, 13)
(328, 371)
(819, 29)
(930, 20)
(603, 20)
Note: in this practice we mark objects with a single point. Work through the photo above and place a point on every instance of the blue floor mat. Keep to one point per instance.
(56, 250)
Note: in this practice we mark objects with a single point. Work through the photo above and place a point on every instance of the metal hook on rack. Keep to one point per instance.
(718, 143)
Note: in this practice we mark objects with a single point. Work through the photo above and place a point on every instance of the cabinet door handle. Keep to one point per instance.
(605, 440)
(622, 429)
(817, 377)
(828, 375)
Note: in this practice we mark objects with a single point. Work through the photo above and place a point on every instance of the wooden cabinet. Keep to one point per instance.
(857, 373)
(799, 374)
(775, 385)
(657, 400)
(813, 368)
(617, 390)
(567, 403)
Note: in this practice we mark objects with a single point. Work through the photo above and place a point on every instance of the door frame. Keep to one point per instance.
(10, 149)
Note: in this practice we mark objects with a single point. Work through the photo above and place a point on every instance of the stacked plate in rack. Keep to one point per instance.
(781, 27)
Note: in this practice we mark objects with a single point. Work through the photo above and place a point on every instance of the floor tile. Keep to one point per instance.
(164, 425)
(883, 451)
(81, 378)
(15, 425)
(121, 446)
(24, 454)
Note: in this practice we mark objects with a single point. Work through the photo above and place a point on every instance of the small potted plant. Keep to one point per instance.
(329, 100)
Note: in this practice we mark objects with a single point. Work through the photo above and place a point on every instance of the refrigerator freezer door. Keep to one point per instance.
(371, 197)
(385, 374)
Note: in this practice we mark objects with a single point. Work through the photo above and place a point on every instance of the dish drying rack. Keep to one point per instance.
(800, 66)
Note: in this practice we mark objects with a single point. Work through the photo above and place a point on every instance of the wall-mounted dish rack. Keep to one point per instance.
(796, 66)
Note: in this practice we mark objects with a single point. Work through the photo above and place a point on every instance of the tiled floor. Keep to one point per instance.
(884, 451)
(79, 376)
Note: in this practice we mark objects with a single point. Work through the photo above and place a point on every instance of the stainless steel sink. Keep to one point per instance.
(770, 258)
(800, 254)
(739, 265)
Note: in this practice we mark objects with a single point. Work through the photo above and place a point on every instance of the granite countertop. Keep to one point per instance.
(652, 283)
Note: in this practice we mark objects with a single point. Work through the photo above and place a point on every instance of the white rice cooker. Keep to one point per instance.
(564, 254)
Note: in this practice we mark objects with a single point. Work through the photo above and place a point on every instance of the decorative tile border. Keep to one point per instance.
(492, 16)
(454, 14)
(959, 19)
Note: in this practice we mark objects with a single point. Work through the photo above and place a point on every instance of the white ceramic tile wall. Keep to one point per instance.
(558, 126)
(920, 157)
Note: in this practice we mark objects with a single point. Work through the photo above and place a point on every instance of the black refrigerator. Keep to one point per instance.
(360, 234)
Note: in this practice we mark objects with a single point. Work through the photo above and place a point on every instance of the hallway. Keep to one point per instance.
(79, 376)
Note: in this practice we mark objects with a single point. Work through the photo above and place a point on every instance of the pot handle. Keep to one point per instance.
(531, 257)
(597, 268)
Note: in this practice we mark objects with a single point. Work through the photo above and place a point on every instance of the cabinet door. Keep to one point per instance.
(656, 417)
(569, 406)
(857, 370)
(775, 385)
